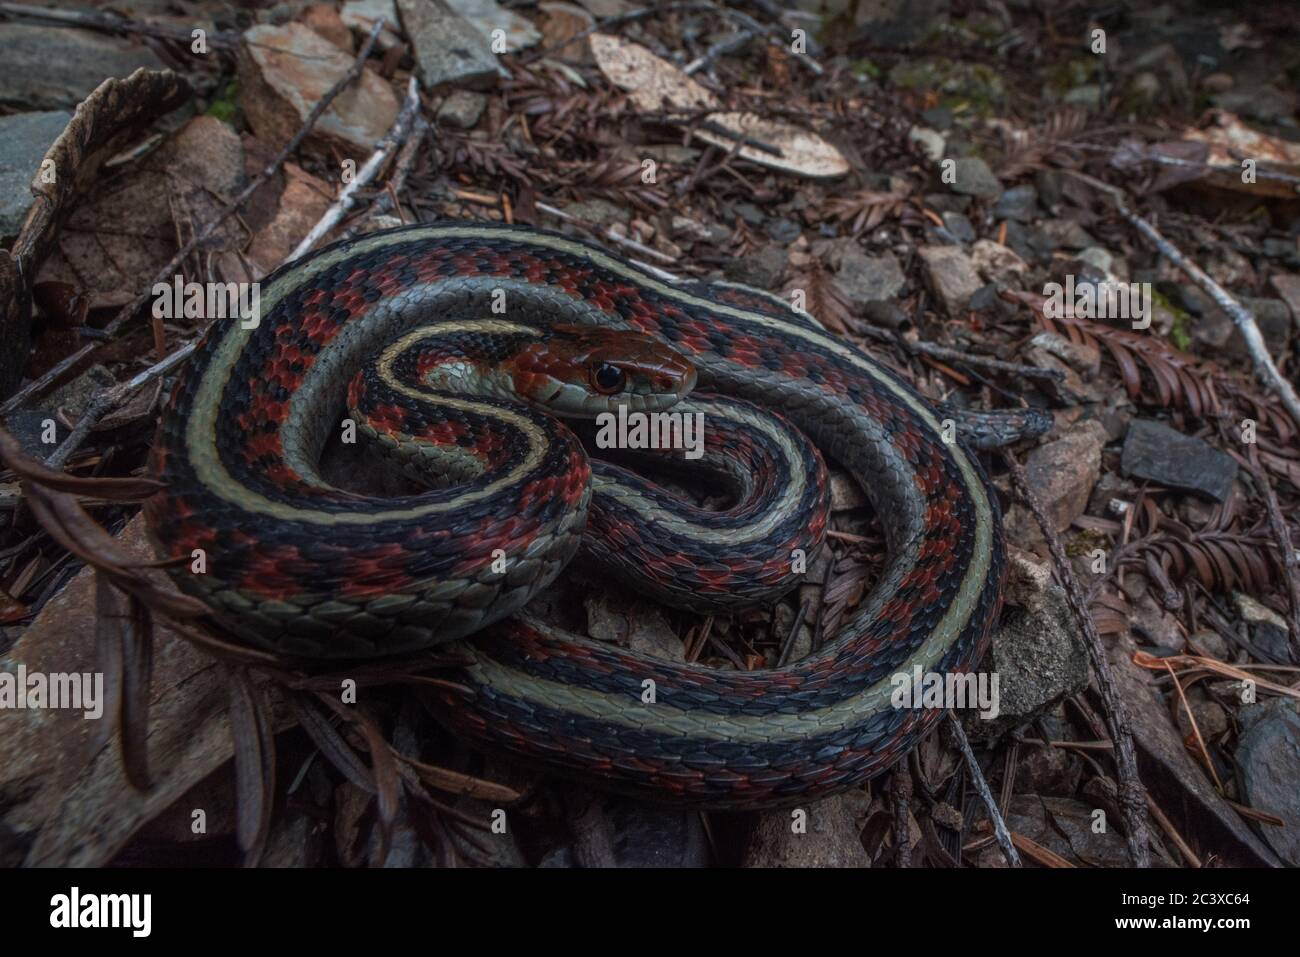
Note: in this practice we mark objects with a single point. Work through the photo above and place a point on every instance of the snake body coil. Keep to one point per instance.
(308, 569)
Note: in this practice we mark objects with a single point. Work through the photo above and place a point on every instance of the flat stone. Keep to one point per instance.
(24, 138)
(283, 74)
(1155, 452)
(486, 16)
(1269, 757)
(951, 276)
(761, 269)
(959, 227)
(998, 263)
(1063, 472)
(974, 178)
(822, 834)
(451, 51)
(1067, 234)
(1019, 203)
(49, 68)
(869, 279)
(1288, 287)
(1273, 316)
(1037, 654)
(462, 109)
(932, 142)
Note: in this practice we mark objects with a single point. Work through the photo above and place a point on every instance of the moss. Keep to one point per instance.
(1179, 335)
(223, 107)
(865, 67)
(1087, 541)
(969, 86)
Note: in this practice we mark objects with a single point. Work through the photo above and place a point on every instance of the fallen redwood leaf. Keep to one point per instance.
(1152, 663)
(454, 782)
(125, 489)
(11, 609)
(69, 799)
(254, 764)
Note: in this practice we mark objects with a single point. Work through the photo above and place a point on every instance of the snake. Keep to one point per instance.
(466, 354)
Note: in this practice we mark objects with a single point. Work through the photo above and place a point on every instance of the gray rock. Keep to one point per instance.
(762, 269)
(1273, 316)
(974, 178)
(828, 835)
(48, 68)
(1269, 758)
(461, 110)
(959, 227)
(24, 138)
(947, 202)
(1067, 234)
(1156, 452)
(1037, 654)
(951, 276)
(450, 51)
(283, 75)
(869, 279)
(783, 230)
(1019, 203)
(646, 835)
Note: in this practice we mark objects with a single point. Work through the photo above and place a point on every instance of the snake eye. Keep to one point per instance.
(608, 379)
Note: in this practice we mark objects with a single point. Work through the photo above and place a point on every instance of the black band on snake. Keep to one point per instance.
(454, 348)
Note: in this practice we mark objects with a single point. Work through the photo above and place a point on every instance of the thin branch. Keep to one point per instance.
(383, 149)
(1241, 317)
(107, 401)
(1132, 794)
(982, 786)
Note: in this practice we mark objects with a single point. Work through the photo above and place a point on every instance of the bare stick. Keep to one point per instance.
(1132, 795)
(128, 311)
(1287, 556)
(982, 786)
(106, 401)
(612, 236)
(112, 23)
(1240, 315)
(383, 149)
(987, 362)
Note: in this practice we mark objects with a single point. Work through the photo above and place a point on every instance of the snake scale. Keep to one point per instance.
(398, 332)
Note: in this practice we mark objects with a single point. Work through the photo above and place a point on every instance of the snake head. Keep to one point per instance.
(586, 370)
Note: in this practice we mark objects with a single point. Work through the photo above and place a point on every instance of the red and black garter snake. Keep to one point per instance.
(311, 570)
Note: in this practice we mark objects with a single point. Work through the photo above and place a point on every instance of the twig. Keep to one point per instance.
(1132, 794)
(383, 149)
(128, 311)
(1287, 556)
(112, 23)
(956, 355)
(1241, 317)
(1171, 832)
(736, 41)
(982, 786)
(900, 792)
(106, 401)
(388, 200)
(612, 236)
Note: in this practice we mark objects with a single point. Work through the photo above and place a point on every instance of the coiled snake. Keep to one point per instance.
(424, 338)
